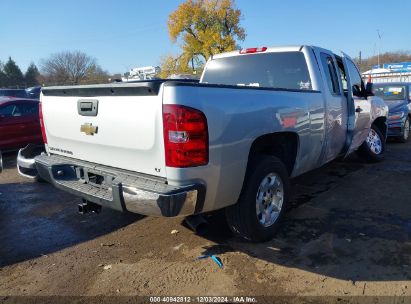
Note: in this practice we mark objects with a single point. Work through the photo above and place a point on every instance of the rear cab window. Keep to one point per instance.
(278, 70)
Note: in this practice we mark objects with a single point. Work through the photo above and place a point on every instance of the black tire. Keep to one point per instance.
(368, 153)
(405, 135)
(39, 179)
(242, 217)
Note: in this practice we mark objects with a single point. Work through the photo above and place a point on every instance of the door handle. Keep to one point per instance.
(87, 107)
(358, 110)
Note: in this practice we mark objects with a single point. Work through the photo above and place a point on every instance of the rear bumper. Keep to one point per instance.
(119, 189)
(25, 160)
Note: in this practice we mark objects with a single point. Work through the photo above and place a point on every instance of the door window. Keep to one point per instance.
(29, 109)
(17, 110)
(9, 111)
(355, 77)
(330, 73)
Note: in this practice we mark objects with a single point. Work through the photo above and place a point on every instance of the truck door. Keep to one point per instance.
(335, 107)
(359, 107)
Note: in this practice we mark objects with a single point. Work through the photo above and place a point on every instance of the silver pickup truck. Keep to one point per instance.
(257, 118)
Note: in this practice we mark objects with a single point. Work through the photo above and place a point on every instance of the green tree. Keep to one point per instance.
(171, 65)
(205, 28)
(2, 76)
(32, 75)
(14, 76)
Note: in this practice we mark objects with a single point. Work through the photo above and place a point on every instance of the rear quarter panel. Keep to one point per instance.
(236, 117)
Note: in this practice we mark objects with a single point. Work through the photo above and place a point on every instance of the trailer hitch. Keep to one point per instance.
(87, 207)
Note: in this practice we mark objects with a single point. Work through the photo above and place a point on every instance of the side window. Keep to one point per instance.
(330, 73)
(28, 109)
(409, 92)
(8, 111)
(355, 76)
(17, 110)
(343, 76)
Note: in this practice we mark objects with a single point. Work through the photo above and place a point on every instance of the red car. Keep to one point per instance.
(19, 123)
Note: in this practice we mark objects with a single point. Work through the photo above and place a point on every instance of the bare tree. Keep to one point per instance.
(71, 68)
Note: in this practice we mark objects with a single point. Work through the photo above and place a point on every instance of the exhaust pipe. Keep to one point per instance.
(87, 207)
(197, 223)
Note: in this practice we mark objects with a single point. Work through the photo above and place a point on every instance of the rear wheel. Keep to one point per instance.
(262, 202)
(406, 133)
(373, 148)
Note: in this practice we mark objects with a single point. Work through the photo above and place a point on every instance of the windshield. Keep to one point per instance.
(285, 70)
(390, 92)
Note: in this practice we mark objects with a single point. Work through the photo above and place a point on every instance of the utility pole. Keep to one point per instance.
(379, 47)
(360, 61)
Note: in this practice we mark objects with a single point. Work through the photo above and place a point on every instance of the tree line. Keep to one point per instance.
(387, 57)
(64, 68)
(11, 75)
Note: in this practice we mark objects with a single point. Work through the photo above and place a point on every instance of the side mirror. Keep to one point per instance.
(369, 89)
(356, 91)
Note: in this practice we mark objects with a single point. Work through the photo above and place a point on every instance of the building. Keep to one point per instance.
(390, 72)
(142, 73)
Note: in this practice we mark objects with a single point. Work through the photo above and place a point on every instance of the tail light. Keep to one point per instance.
(253, 50)
(185, 136)
(43, 130)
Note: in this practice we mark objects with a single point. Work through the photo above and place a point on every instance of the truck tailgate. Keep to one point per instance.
(128, 128)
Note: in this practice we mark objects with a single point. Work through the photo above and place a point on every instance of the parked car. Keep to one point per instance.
(19, 123)
(258, 117)
(397, 95)
(33, 92)
(19, 93)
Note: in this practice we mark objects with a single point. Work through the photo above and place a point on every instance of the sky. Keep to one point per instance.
(124, 34)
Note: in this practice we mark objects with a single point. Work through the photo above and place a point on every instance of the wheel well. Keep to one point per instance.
(381, 124)
(282, 145)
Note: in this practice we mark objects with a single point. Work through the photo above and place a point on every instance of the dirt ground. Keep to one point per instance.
(347, 233)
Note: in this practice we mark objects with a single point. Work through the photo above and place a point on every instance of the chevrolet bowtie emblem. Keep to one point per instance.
(88, 128)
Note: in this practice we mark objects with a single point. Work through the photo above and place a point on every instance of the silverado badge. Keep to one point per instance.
(88, 128)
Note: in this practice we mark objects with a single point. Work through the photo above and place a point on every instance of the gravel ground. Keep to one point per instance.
(346, 234)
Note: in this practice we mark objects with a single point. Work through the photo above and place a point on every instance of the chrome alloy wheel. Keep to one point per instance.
(374, 142)
(407, 129)
(269, 199)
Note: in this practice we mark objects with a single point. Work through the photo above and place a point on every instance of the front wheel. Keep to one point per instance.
(262, 201)
(406, 133)
(373, 148)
